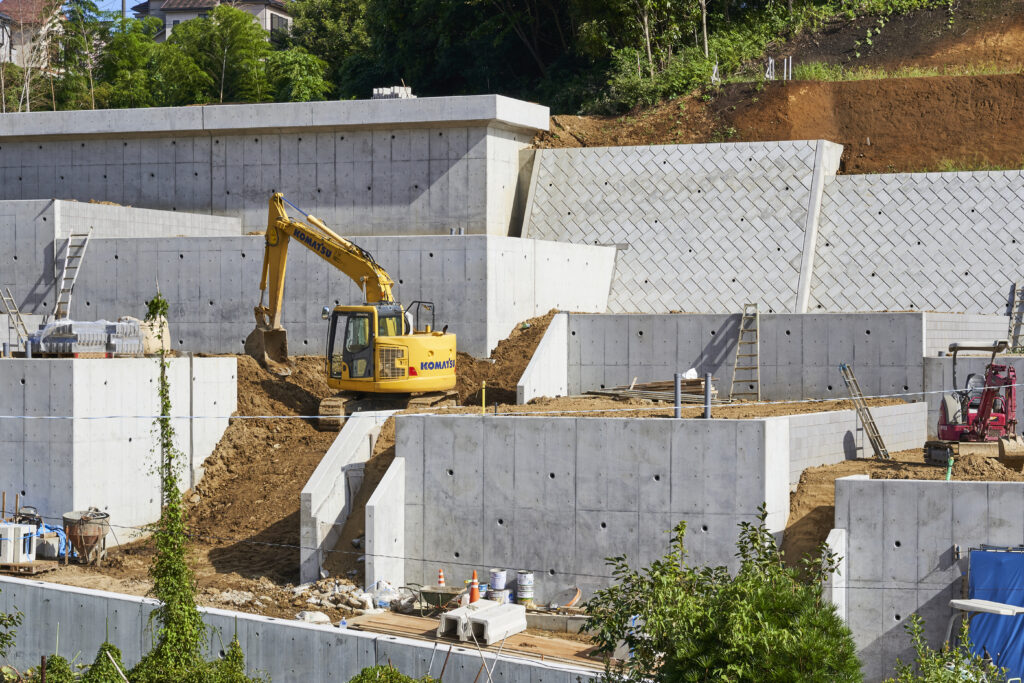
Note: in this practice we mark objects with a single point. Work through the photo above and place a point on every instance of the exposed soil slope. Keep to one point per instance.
(812, 507)
(886, 125)
(504, 368)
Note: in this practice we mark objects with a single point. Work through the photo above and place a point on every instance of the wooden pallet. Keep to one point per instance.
(521, 644)
(691, 391)
(29, 568)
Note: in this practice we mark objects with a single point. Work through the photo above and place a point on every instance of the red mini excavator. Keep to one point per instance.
(981, 418)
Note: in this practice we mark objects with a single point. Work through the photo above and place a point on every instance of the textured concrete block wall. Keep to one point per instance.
(102, 453)
(279, 649)
(799, 353)
(904, 241)
(378, 167)
(559, 495)
(108, 221)
(902, 559)
(831, 437)
(701, 227)
(942, 329)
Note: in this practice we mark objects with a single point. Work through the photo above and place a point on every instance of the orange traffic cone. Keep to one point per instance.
(474, 589)
(440, 577)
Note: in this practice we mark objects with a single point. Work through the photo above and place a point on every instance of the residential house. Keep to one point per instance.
(24, 28)
(269, 14)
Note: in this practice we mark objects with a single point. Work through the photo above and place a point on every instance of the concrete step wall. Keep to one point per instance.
(557, 495)
(707, 228)
(906, 549)
(99, 449)
(372, 167)
(481, 285)
(276, 648)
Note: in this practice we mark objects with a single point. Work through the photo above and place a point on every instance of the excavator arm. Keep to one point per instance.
(269, 341)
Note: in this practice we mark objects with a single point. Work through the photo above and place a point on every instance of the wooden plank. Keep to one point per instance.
(538, 647)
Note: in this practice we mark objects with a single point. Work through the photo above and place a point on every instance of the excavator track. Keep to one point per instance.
(1007, 450)
(333, 410)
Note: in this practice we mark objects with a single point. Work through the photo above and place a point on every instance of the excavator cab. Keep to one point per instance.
(351, 336)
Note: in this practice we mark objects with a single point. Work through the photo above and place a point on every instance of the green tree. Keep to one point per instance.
(107, 667)
(230, 48)
(952, 663)
(79, 47)
(766, 623)
(333, 30)
(9, 624)
(297, 76)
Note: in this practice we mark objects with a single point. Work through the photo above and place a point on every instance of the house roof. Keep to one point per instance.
(194, 5)
(29, 11)
(141, 8)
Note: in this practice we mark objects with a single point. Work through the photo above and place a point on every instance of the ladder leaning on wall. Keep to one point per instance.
(14, 319)
(864, 412)
(746, 371)
(74, 252)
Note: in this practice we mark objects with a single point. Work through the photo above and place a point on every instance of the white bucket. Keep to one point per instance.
(497, 579)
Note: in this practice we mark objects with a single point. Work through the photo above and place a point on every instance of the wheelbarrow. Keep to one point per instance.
(437, 597)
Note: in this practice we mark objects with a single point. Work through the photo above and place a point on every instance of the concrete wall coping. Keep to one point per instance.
(238, 118)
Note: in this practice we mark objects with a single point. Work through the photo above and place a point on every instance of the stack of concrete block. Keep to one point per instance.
(395, 92)
(101, 337)
(483, 622)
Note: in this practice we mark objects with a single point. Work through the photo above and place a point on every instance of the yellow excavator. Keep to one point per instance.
(378, 354)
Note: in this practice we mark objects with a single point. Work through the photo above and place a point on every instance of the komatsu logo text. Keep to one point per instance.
(316, 245)
(438, 365)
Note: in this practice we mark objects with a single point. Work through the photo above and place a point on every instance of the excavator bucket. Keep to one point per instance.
(270, 349)
(1012, 447)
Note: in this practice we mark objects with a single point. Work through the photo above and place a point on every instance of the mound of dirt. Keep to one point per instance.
(505, 366)
(812, 507)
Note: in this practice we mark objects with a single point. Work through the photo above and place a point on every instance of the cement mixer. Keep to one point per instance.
(981, 419)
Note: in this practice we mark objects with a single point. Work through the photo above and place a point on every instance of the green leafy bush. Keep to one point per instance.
(681, 623)
(386, 674)
(954, 664)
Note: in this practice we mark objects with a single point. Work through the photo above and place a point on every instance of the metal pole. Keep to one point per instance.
(7, 350)
(707, 395)
(679, 395)
(28, 349)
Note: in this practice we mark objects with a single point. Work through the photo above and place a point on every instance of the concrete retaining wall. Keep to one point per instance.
(324, 501)
(559, 495)
(831, 437)
(282, 650)
(701, 227)
(482, 286)
(58, 465)
(907, 547)
(548, 371)
(374, 167)
(799, 353)
(707, 228)
(942, 329)
(385, 528)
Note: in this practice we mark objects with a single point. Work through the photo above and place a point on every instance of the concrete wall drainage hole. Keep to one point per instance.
(451, 473)
(896, 544)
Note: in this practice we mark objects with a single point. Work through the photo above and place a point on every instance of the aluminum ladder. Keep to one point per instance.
(863, 412)
(14, 319)
(74, 252)
(1016, 318)
(746, 371)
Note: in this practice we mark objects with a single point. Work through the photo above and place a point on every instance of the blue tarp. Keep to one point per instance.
(999, 577)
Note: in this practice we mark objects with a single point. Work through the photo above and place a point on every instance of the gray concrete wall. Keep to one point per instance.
(108, 221)
(799, 353)
(377, 167)
(385, 528)
(100, 450)
(482, 286)
(831, 437)
(283, 650)
(548, 371)
(557, 495)
(324, 503)
(702, 227)
(901, 554)
(942, 329)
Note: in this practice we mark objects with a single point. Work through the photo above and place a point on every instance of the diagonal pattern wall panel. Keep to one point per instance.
(700, 228)
(924, 241)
